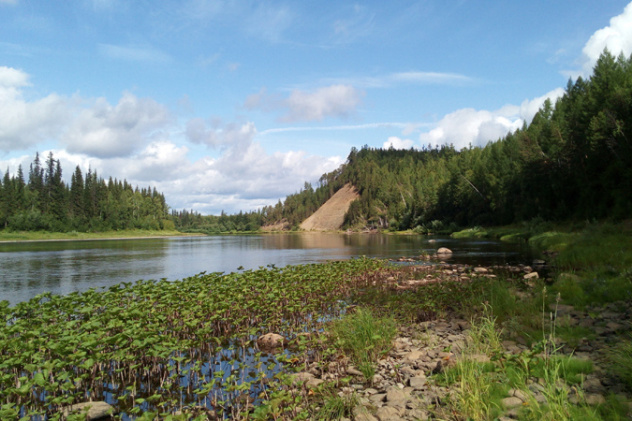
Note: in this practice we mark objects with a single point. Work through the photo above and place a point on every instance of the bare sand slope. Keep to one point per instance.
(330, 216)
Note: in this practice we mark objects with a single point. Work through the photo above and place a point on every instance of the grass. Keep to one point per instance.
(476, 232)
(482, 386)
(335, 407)
(621, 360)
(365, 337)
(12, 236)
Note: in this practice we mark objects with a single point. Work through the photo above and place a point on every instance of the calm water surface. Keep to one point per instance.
(28, 269)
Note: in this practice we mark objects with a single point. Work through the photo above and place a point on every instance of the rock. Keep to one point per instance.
(270, 341)
(94, 410)
(520, 394)
(397, 398)
(418, 382)
(354, 371)
(307, 379)
(595, 399)
(361, 413)
(444, 252)
(377, 399)
(511, 402)
(388, 413)
(480, 270)
(414, 356)
(419, 414)
(531, 275)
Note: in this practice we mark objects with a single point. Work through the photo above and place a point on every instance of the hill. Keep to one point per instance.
(572, 162)
(331, 215)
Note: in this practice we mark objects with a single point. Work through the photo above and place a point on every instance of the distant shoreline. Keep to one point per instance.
(25, 237)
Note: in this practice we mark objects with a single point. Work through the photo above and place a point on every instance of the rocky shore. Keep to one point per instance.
(405, 387)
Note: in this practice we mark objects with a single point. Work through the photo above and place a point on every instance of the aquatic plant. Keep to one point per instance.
(157, 347)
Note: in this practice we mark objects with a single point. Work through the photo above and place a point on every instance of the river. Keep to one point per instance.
(30, 268)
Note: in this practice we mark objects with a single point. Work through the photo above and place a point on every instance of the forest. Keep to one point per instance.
(89, 203)
(572, 162)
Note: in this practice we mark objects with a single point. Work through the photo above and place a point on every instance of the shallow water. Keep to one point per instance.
(28, 269)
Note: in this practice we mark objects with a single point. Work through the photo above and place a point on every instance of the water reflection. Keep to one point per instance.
(28, 269)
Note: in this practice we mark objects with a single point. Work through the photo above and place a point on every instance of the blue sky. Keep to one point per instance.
(232, 105)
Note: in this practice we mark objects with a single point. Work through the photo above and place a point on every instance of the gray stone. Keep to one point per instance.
(595, 399)
(511, 402)
(377, 399)
(419, 414)
(388, 413)
(397, 397)
(414, 356)
(94, 410)
(418, 382)
(354, 371)
(270, 341)
(361, 413)
(520, 394)
(444, 251)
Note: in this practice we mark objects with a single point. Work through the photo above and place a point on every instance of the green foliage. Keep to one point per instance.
(476, 232)
(336, 407)
(47, 203)
(552, 241)
(620, 357)
(573, 161)
(365, 336)
(156, 344)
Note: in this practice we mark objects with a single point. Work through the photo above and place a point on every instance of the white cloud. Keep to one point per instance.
(219, 134)
(330, 101)
(617, 37)
(468, 126)
(245, 177)
(25, 123)
(106, 131)
(397, 143)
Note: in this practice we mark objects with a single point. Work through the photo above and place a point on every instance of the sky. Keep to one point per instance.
(234, 104)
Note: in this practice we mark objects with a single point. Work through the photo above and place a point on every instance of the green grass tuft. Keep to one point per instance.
(365, 337)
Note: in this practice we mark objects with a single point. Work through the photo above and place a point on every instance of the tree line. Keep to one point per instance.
(44, 201)
(573, 161)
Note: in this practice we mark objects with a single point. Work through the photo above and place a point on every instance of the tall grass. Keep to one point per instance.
(365, 337)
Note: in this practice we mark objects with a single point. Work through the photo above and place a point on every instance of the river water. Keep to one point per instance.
(31, 268)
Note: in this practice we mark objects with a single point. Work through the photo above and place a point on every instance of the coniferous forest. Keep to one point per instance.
(41, 200)
(572, 162)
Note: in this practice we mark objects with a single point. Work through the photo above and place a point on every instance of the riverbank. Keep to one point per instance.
(24, 236)
(456, 341)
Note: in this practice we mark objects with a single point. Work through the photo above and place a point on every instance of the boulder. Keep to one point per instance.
(97, 410)
(270, 341)
(444, 251)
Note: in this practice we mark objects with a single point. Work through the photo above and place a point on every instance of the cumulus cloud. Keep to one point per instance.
(617, 37)
(245, 176)
(330, 101)
(103, 130)
(25, 123)
(219, 134)
(397, 143)
(468, 126)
